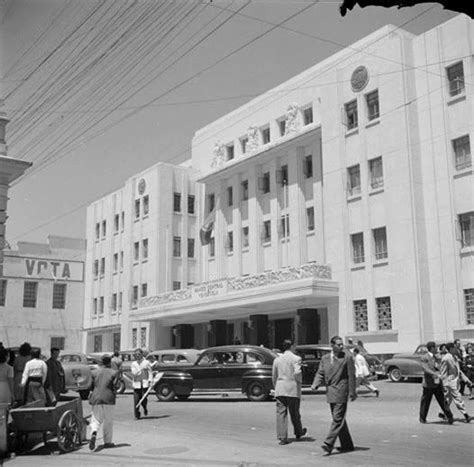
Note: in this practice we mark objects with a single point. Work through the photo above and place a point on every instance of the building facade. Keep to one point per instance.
(42, 294)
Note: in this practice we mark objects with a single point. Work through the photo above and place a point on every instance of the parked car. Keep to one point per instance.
(311, 355)
(243, 368)
(405, 365)
(78, 373)
(168, 357)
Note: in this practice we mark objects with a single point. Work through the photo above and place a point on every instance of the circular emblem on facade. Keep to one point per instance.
(359, 78)
(141, 186)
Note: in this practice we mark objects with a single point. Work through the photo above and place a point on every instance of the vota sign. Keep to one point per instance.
(36, 268)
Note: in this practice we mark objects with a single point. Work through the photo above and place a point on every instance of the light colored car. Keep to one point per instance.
(78, 373)
(405, 365)
(173, 357)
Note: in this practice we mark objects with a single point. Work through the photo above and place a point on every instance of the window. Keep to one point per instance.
(116, 223)
(243, 144)
(135, 296)
(3, 292)
(361, 319)
(97, 231)
(264, 183)
(177, 202)
(144, 289)
(384, 313)
(230, 196)
(310, 218)
(466, 223)
(59, 296)
(469, 305)
(146, 205)
(211, 201)
(357, 241)
(116, 262)
(308, 115)
(58, 342)
(191, 204)
(176, 247)
(308, 166)
(212, 247)
(101, 305)
(145, 249)
(102, 267)
(380, 243)
(353, 180)
(134, 338)
(121, 260)
(116, 341)
(245, 190)
(114, 302)
(229, 151)
(98, 343)
(137, 209)
(120, 300)
(96, 269)
(94, 307)
(282, 127)
(230, 242)
(266, 135)
(285, 226)
(104, 228)
(455, 79)
(462, 152)
(143, 338)
(176, 285)
(136, 252)
(351, 115)
(376, 173)
(245, 237)
(372, 100)
(122, 219)
(267, 231)
(190, 247)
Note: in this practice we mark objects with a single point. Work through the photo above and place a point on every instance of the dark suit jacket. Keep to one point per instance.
(338, 377)
(103, 384)
(431, 377)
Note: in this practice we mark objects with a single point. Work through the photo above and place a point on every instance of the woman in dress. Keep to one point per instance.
(6, 379)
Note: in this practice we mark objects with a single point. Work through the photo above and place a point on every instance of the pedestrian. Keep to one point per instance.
(287, 379)
(6, 379)
(336, 371)
(18, 368)
(102, 400)
(34, 378)
(432, 385)
(459, 355)
(469, 362)
(142, 378)
(56, 381)
(362, 372)
(450, 376)
(116, 362)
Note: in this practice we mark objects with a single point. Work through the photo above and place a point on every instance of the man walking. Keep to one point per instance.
(142, 378)
(102, 401)
(450, 375)
(362, 372)
(336, 372)
(432, 385)
(56, 382)
(286, 376)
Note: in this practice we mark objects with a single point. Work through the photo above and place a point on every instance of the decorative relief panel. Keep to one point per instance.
(219, 154)
(292, 123)
(253, 143)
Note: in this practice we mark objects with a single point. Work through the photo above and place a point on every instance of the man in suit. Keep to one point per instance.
(286, 376)
(432, 385)
(336, 372)
(450, 375)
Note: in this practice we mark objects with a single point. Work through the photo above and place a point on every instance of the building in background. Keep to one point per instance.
(340, 202)
(141, 241)
(42, 294)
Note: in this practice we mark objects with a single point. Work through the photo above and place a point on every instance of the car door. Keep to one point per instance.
(207, 370)
(235, 365)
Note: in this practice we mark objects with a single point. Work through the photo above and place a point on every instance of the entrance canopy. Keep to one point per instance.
(308, 285)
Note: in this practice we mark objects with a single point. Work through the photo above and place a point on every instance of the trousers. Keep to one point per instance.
(285, 404)
(339, 428)
(425, 402)
(451, 394)
(103, 414)
(137, 395)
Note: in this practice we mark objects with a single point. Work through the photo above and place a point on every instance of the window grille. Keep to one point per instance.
(59, 296)
(30, 292)
(361, 319)
(384, 313)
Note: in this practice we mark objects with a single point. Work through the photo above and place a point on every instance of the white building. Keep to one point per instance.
(141, 241)
(41, 294)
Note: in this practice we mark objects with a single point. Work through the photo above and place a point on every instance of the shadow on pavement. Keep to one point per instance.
(118, 445)
(154, 417)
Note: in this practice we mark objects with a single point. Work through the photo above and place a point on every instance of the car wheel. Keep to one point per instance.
(84, 394)
(183, 397)
(256, 392)
(395, 374)
(165, 392)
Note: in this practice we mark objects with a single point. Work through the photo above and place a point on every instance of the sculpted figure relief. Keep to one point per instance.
(292, 119)
(219, 154)
(252, 134)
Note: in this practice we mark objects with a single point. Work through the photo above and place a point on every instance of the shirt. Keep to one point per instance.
(142, 373)
(34, 368)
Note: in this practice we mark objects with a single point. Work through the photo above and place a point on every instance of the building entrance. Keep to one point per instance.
(283, 330)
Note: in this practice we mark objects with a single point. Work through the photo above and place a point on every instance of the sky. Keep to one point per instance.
(135, 86)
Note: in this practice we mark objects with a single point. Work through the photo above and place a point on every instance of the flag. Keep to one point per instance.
(205, 232)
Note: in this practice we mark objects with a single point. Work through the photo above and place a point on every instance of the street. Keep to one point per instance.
(230, 431)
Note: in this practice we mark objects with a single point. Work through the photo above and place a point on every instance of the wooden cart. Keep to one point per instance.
(65, 420)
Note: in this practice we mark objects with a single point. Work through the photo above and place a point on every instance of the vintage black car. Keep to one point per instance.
(224, 369)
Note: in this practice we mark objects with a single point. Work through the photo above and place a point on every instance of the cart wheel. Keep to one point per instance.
(69, 431)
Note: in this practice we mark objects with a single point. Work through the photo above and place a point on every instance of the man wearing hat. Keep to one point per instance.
(102, 401)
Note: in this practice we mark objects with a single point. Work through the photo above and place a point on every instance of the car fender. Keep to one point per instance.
(181, 381)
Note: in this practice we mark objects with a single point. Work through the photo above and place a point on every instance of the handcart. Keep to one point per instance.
(65, 420)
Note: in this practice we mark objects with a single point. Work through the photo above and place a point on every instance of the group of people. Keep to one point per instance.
(28, 378)
(443, 378)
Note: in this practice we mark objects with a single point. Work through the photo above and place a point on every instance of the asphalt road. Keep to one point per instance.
(230, 431)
